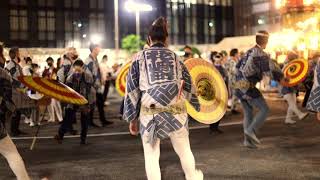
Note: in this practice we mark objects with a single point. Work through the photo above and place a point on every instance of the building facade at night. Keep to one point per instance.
(62, 23)
(251, 16)
(199, 21)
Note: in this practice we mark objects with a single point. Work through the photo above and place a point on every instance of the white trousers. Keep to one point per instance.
(181, 145)
(10, 152)
(292, 106)
(55, 109)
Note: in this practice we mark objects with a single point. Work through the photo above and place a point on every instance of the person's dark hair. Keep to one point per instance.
(187, 47)
(78, 63)
(212, 55)
(27, 60)
(34, 65)
(233, 52)
(13, 52)
(49, 59)
(219, 55)
(104, 56)
(92, 46)
(158, 30)
(262, 38)
(58, 63)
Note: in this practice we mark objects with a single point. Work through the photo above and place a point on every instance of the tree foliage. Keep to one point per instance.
(132, 43)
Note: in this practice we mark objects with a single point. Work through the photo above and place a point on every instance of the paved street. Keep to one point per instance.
(287, 152)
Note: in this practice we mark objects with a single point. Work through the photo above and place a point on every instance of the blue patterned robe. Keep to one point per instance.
(65, 70)
(314, 99)
(154, 79)
(6, 103)
(251, 68)
(92, 67)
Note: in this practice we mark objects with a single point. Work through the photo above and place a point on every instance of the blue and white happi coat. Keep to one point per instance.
(314, 98)
(251, 68)
(155, 79)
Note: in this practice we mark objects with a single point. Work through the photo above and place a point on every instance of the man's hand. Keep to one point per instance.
(134, 128)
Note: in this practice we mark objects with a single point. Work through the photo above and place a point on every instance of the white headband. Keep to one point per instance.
(262, 34)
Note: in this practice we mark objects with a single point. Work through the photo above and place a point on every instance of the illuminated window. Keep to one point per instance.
(46, 25)
(18, 24)
(72, 30)
(96, 23)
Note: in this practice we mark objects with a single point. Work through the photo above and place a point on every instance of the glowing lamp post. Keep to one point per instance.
(132, 6)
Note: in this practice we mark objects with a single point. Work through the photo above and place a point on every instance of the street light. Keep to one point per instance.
(132, 6)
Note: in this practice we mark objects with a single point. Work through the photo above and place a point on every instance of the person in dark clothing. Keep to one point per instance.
(188, 54)
(217, 61)
(92, 67)
(80, 81)
(50, 71)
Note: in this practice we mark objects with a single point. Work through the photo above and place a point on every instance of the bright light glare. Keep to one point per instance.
(260, 21)
(132, 6)
(96, 38)
(280, 3)
(308, 2)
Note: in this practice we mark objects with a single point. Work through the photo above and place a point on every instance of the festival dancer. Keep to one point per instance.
(7, 147)
(250, 70)
(289, 94)
(313, 101)
(153, 100)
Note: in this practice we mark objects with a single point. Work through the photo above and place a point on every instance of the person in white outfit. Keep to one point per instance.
(289, 94)
(155, 97)
(54, 108)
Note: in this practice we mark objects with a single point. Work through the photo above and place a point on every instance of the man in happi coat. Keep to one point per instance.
(158, 84)
(250, 70)
(7, 147)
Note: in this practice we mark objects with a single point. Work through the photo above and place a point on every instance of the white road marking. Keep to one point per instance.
(127, 133)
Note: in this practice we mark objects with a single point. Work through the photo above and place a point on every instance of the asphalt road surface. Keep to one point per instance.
(286, 152)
